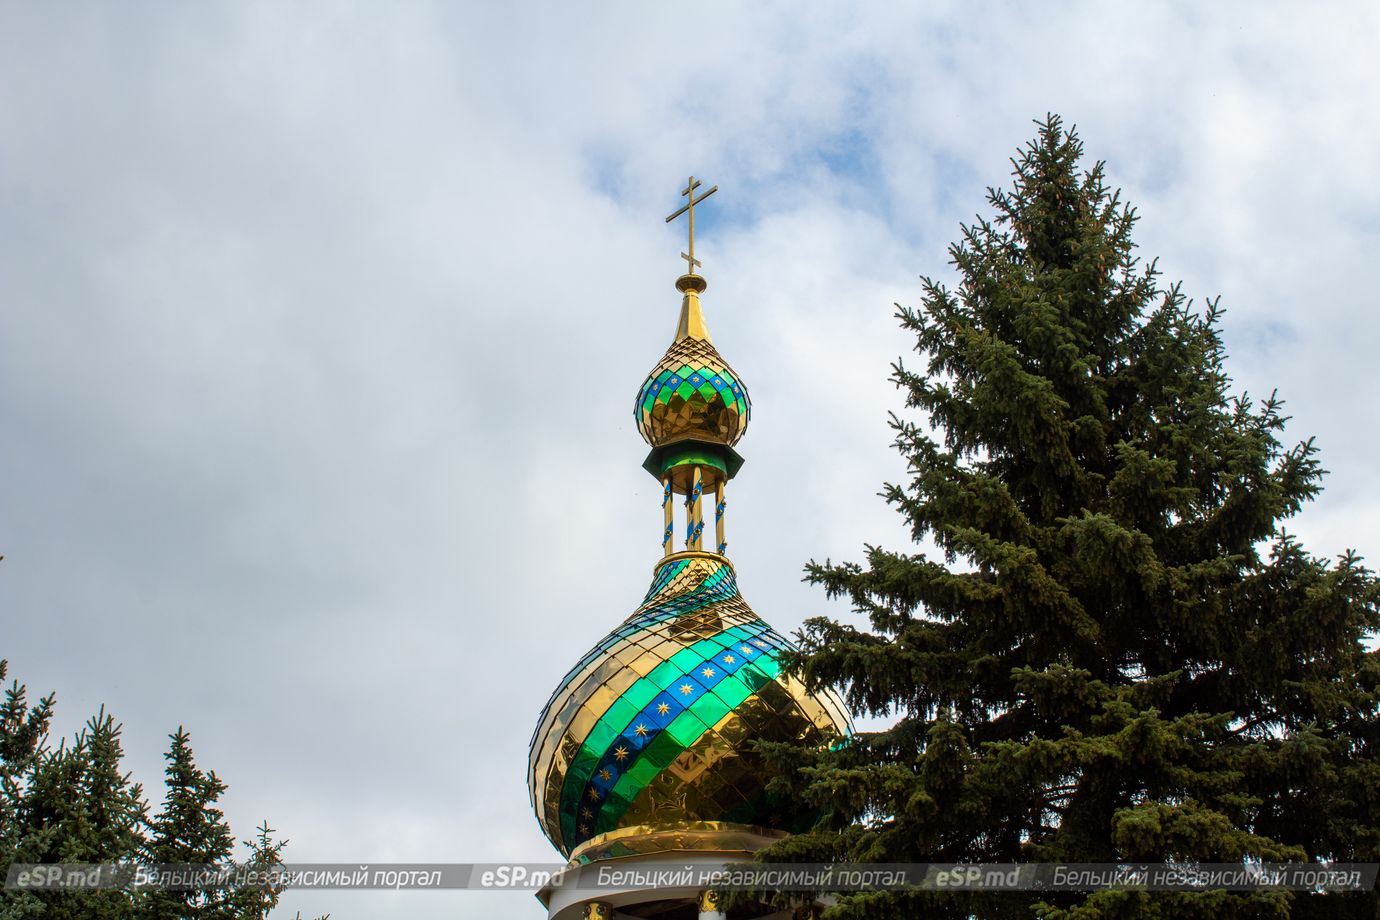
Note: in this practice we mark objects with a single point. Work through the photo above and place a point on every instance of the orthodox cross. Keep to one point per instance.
(689, 208)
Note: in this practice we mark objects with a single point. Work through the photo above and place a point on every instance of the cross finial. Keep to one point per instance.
(689, 208)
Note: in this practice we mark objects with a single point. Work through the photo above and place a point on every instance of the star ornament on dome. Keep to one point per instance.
(605, 775)
(708, 672)
(663, 708)
(729, 659)
(685, 689)
(620, 754)
(641, 730)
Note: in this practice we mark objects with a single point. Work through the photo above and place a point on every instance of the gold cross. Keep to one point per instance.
(689, 208)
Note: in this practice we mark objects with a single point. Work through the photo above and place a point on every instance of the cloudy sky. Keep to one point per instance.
(320, 324)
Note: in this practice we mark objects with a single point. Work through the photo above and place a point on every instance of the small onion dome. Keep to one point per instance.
(653, 730)
(692, 393)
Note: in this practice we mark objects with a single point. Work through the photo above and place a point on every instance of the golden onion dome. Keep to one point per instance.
(692, 393)
(653, 729)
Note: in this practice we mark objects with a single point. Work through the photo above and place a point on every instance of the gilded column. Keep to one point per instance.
(668, 510)
(719, 505)
(697, 510)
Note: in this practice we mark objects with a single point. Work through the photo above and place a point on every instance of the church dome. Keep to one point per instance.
(653, 727)
(692, 393)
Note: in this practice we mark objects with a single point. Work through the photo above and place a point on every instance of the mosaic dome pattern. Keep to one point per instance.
(692, 393)
(654, 725)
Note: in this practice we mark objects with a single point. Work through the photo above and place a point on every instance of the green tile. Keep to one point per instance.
(686, 729)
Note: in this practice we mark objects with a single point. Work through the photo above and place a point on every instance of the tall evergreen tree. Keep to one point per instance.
(23, 736)
(74, 804)
(78, 806)
(1114, 652)
(190, 829)
(23, 730)
(265, 854)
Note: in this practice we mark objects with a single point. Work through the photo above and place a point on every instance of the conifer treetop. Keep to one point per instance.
(1104, 646)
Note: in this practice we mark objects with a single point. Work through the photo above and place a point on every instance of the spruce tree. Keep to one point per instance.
(1109, 649)
(189, 830)
(265, 854)
(78, 806)
(23, 736)
(23, 730)
(73, 803)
